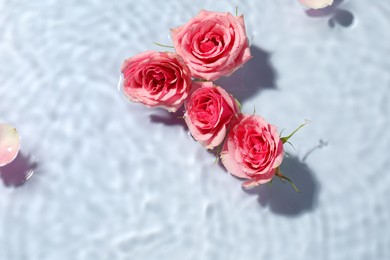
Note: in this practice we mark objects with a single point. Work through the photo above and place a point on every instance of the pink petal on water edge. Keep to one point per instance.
(9, 143)
(316, 4)
(249, 184)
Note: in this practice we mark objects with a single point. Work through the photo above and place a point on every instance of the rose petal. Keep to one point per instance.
(250, 184)
(9, 143)
(232, 166)
(316, 4)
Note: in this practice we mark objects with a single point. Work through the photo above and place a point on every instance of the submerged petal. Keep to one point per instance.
(9, 143)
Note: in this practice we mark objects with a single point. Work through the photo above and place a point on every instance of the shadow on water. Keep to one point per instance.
(161, 116)
(280, 196)
(342, 17)
(338, 16)
(18, 171)
(256, 75)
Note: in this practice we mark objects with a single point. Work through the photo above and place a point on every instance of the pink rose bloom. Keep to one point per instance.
(209, 111)
(156, 79)
(252, 150)
(212, 44)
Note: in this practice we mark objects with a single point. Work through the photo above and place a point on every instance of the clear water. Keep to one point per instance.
(113, 180)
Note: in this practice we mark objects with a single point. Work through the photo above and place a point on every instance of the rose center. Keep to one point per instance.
(206, 110)
(258, 146)
(156, 80)
(209, 43)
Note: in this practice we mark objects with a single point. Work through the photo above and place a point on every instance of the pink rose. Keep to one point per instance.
(252, 150)
(156, 79)
(212, 44)
(209, 111)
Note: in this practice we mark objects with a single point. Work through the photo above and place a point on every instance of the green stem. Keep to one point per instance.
(163, 45)
(282, 178)
(217, 153)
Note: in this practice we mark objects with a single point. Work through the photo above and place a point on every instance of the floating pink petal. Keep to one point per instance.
(316, 4)
(9, 143)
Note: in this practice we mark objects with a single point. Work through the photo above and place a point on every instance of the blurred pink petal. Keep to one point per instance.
(316, 4)
(9, 143)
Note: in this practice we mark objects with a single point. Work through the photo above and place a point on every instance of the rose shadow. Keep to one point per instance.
(18, 171)
(161, 116)
(256, 75)
(338, 16)
(280, 196)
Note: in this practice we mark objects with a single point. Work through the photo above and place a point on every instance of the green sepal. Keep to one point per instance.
(200, 80)
(238, 104)
(286, 138)
(218, 151)
(163, 45)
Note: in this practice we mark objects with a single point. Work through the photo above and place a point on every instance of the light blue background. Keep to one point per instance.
(114, 180)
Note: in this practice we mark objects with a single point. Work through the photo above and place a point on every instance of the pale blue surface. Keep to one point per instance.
(114, 180)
